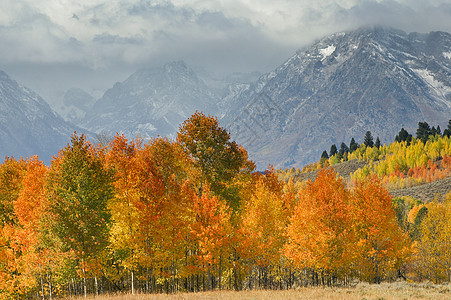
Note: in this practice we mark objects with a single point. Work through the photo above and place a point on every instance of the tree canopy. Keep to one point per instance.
(219, 159)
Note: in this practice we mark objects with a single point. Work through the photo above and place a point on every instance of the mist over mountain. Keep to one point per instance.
(343, 85)
(28, 126)
(151, 102)
(76, 103)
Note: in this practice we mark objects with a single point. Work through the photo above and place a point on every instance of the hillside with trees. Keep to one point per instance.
(193, 214)
(407, 163)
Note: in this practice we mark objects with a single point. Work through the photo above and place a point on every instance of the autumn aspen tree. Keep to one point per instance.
(319, 232)
(219, 159)
(79, 190)
(381, 247)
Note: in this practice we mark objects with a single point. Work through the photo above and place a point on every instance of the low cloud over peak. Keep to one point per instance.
(222, 36)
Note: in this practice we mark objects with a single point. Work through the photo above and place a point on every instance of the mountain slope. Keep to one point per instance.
(151, 102)
(343, 85)
(75, 105)
(27, 124)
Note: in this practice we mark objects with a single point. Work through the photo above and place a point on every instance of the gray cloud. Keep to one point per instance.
(106, 38)
(221, 36)
(417, 17)
(42, 31)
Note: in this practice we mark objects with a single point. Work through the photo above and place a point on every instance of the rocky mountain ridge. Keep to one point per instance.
(28, 126)
(151, 102)
(375, 79)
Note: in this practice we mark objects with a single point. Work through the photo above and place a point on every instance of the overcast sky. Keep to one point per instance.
(51, 45)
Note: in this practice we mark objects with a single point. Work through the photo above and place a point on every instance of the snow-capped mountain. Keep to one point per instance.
(151, 102)
(27, 124)
(375, 79)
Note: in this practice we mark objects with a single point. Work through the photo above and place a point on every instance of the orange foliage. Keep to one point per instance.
(191, 210)
(342, 232)
(212, 232)
(164, 201)
(319, 235)
(11, 175)
(381, 247)
(263, 221)
(30, 204)
(24, 255)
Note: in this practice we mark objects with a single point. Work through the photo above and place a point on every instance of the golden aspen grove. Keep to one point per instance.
(193, 214)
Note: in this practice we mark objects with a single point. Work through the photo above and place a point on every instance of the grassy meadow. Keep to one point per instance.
(397, 290)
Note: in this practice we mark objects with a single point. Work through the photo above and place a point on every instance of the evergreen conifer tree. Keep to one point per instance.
(433, 131)
(377, 144)
(402, 136)
(447, 131)
(368, 139)
(333, 150)
(344, 150)
(423, 131)
(439, 131)
(353, 145)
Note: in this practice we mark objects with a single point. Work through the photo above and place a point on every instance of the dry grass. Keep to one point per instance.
(426, 192)
(398, 290)
(344, 169)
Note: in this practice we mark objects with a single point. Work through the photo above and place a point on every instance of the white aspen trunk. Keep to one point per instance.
(133, 284)
(220, 272)
(50, 287)
(74, 287)
(68, 287)
(95, 282)
(173, 274)
(84, 281)
(147, 280)
(42, 282)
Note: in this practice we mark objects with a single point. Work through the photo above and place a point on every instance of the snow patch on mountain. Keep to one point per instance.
(440, 89)
(325, 52)
(147, 127)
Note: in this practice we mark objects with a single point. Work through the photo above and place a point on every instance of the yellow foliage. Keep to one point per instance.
(433, 260)
(398, 160)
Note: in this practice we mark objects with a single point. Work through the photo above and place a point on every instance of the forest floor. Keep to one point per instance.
(396, 290)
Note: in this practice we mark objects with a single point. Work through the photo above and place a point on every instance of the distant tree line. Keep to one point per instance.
(368, 141)
(423, 133)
